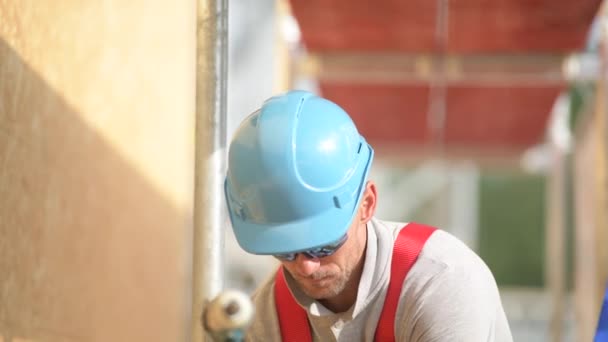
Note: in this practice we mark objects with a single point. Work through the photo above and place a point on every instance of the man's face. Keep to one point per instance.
(324, 278)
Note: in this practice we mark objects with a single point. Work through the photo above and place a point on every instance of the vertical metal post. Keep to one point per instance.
(464, 203)
(555, 242)
(283, 69)
(438, 86)
(210, 156)
(555, 237)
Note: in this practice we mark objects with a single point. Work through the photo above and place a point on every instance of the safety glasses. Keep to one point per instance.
(319, 252)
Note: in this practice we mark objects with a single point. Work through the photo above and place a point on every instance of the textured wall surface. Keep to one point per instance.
(96, 132)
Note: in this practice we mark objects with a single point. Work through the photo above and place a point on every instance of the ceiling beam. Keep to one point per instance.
(498, 158)
(417, 69)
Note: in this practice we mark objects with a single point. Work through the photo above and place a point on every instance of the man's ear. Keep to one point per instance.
(368, 202)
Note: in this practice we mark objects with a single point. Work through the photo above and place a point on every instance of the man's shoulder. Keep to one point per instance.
(263, 295)
(451, 287)
(442, 252)
(265, 323)
(450, 266)
(441, 247)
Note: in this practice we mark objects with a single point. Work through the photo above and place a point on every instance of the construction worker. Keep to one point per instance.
(297, 188)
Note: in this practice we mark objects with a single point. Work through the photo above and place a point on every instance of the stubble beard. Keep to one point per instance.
(326, 291)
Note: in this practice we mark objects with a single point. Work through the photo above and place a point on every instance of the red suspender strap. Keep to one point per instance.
(408, 245)
(293, 320)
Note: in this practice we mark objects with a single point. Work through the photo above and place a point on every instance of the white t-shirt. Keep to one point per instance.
(448, 295)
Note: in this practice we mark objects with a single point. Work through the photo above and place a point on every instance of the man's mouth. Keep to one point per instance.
(321, 280)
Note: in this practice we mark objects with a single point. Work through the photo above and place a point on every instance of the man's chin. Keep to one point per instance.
(318, 294)
(320, 289)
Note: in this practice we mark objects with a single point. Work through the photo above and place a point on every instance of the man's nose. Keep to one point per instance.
(306, 266)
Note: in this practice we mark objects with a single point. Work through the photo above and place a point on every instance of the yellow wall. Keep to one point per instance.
(96, 132)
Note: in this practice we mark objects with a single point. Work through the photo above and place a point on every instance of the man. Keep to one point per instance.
(297, 189)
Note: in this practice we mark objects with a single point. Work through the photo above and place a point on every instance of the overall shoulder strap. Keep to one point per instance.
(407, 247)
(293, 320)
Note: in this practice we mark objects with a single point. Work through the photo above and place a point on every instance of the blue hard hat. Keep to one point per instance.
(296, 170)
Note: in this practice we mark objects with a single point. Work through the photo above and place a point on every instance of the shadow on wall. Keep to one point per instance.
(88, 249)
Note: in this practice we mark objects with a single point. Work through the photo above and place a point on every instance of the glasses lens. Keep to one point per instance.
(319, 252)
(286, 257)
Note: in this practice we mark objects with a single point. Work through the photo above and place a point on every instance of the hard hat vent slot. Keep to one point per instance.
(359, 149)
(341, 200)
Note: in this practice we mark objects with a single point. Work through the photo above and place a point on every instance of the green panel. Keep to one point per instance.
(570, 245)
(581, 95)
(511, 236)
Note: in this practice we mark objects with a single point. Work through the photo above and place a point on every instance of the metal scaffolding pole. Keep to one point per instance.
(555, 242)
(210, 156)
(559, 144)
